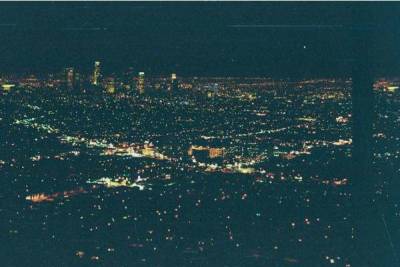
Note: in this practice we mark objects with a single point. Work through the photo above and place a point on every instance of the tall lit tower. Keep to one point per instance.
(129, 79)
(70, 77)
(174, 82)
(96, 73)
(77, 80)
(110, 85)
(140, 84)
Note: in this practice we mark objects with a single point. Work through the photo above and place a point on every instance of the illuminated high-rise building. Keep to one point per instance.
(174, 82)
(70, 77)
(77, 80)
(110, 85)
(141, 83)
(96, 73)
(129, 79)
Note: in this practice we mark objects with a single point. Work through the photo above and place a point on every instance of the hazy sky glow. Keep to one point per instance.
(281, 39)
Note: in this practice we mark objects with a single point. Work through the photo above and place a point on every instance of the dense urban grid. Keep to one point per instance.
(130, 169)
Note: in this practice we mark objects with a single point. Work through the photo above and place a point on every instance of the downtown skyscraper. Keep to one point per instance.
(96, 73)
(141, 83)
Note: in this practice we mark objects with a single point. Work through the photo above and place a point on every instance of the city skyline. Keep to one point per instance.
(200, 134)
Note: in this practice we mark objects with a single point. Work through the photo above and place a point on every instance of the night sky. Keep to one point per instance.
(203, 38)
